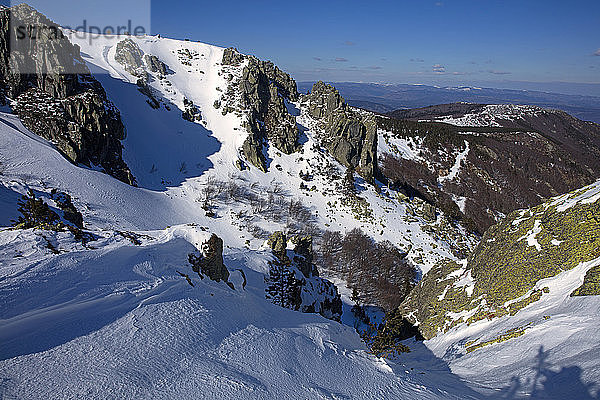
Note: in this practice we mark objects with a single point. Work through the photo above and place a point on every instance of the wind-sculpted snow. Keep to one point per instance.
(119, 321)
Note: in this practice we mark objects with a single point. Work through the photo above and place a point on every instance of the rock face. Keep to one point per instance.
(129, 55)
(349, 137)
(191, 112)
(55, 95)
(293, 280)
(591, 284)
(264, 89)
(210, 262)
(155, 65)
(501, 276)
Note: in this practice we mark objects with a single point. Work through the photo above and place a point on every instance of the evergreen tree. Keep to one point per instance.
(35, 212)
(282, 285)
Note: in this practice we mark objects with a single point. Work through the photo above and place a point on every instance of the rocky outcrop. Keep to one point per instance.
(55, 95)
(303, 254)
(502, 275)
(232, 57)
(210, 261)
(349, 137)
(264, 89)
(155, 65)
(293, 280)
(130, 56)
(191, 112)
(591, 283)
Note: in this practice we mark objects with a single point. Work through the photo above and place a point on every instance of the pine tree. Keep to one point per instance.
(282, 285)
(35, 212)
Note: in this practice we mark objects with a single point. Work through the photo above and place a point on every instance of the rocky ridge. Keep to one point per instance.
(264, 90)
(55, 95)
(466, 171)
(349, 137)
(294, 272)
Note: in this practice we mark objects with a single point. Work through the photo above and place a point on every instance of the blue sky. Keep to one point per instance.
(403, 41)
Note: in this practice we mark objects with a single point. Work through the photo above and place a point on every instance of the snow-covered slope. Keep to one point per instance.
(112, 319)
(167, 153)
(120, 322)
(115, 319)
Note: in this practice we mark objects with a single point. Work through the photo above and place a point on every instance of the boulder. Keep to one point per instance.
(210, 262)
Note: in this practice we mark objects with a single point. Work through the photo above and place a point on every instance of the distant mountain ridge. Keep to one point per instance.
(384, 98)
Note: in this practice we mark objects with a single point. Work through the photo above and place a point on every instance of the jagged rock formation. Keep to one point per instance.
(527, 151)
(155, 65)
(191, 112)
(55, 95)
(293, 281)
(210, 262)
(130, 56)
(501, 276)
(349, 137)
(264, 89)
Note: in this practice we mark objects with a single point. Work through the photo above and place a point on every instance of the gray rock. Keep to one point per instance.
(349, 137)
(155, 65)
(263, 89)
(55, 95)
(232, 57)
(210, 263)
(191, 112)
(129, 55)
(303, 258)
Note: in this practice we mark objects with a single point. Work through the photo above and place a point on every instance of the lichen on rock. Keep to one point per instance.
(500, 276)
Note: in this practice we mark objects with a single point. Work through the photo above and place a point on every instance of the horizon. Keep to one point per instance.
(550, 46)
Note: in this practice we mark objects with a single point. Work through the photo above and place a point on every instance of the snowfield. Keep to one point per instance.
(117, 320)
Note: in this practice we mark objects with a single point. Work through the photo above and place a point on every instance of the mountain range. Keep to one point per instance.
(181, 220)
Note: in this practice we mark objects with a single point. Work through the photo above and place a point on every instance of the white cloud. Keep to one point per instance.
(439, 69)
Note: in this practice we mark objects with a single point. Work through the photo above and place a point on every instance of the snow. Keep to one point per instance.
(531, 235)
(455, 169)
(408, 148)
(587, 195)
(120, 322)
(492, 115)
(117, 320)
(461, 202)
(467, 282)
(560, 345)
